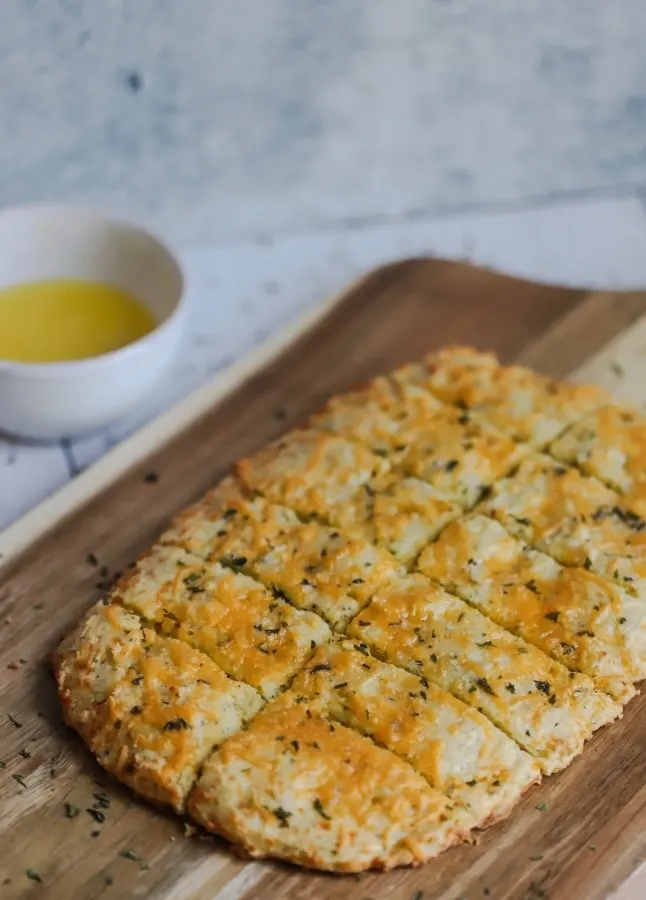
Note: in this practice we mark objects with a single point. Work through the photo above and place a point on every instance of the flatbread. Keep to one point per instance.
(373, 636)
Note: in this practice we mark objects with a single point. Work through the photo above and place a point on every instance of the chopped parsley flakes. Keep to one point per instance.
(283, 816)
(318, 806)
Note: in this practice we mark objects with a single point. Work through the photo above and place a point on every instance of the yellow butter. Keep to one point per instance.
(55, 321)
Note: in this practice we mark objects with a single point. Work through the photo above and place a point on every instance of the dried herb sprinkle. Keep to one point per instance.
(321, 667)
(96, 814)
(484, 685)
(318, 806)
(283, 816)
(176, 724)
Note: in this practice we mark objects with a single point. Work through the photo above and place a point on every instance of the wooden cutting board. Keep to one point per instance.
(588, 841)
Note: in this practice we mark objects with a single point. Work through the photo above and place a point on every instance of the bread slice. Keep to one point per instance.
(151, 709)
(251, 632)
(298, 786)
(548, 710)
(454, 747)
(519, 402)
(588, 624)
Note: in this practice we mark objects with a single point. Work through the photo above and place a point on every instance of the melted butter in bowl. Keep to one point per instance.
(91, 314)
(62, 320)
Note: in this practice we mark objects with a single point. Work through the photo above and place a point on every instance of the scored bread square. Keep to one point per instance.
(176, 706)
(229, 522)
(380, 416)
(153, 723)
(610, 443)
(400, 514)
(453, 746)
(545, 708)
(249, 631)
(310, 472)
(586, 623)
(452, 450)
(521, 403)
(298, 786)
(571, 516)
(460, 456)
(319, 568)
(312, 565)
(397, 514)
(375, 634)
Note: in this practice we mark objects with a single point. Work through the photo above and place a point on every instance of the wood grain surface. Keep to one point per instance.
(589, 841)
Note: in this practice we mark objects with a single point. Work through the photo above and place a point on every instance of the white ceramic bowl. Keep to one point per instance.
(48, 401)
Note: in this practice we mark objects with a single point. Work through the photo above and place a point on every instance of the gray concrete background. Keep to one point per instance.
(219, 118)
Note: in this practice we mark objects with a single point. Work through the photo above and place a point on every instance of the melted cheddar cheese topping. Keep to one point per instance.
(251, 632)
(310, 472)
(584, 622)
(610, 444)
(163, 706)
(516, 400)
(399, 514)
(452, 450)
(572, 517)
(313, 566)
(382, 416)
(452, 745)
(229, 524)
(320, 569)
(546, 709)
(299, 786)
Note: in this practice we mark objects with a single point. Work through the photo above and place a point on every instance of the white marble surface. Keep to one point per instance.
(221, 117)
(243, 290)
(286, 146)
